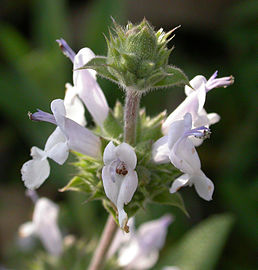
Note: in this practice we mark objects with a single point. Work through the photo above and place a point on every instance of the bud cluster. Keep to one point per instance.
(137, 58)
(136, 54)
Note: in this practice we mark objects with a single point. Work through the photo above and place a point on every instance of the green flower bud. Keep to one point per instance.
(137, 58)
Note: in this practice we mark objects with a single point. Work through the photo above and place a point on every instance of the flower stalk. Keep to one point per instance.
(132, 103)
(107, 236)
(130, 121)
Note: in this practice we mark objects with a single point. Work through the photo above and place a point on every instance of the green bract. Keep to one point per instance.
(154, 179)
(137, 58)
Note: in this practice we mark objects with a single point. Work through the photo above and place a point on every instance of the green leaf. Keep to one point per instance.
(175, 76)
(119, 111)
(151, 127)
(109, 207)
(78, 184)
(200, 247)
(164, 197)
(111, 127)
(99, 64)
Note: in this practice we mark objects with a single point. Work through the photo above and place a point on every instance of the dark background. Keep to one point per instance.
(214, 35)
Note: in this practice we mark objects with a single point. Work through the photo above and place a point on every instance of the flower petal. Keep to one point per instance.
(27, 229)
(128, 187)
(160, 150)
(176, 130)
(126, 153)
(184, 156)
(81, 58)
(45, 221)
(187, 122)
(144, 261)
(80, 139)
(88, 88)
(37, 153)
(201, 95)
(204, 186)
(213, 118)
(35, 172)
(152, 234)
(111, 188)
(56, 147)
(196, 82)
(189, 105)
(179, 182)
(73, 105)
(109, 153)
(58, 109)
(122, 217)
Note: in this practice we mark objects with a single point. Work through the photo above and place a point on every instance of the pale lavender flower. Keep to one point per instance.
(44, 226)
(85, 82)
(119, 177)
(179, 149)
(68, 135)
(141, 251)
(194, 103)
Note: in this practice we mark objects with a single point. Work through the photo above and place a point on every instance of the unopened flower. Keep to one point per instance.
(142, 250)
(44, 226)
(68, 135)
(182, 154)
(85, 82)
(194, 103)
(119, 177)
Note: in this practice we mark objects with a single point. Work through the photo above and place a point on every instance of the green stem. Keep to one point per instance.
(107, 236)
(130, 120)
(130, 116)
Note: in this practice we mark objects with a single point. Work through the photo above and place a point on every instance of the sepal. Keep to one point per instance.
(99, 64)
(173, 76)
(112, 127)
(164, 197)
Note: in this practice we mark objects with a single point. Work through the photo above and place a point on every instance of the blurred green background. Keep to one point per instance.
(215, 35)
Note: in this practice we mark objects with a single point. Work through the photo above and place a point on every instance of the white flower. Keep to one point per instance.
(73, 106)
(44, 226)
(183, 156)
(119, 177)
(85, 82)
(194, 103)
(68, 135)
(141, 251)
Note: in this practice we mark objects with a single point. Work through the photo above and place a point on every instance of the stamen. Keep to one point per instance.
(67, 51)
(220, 82)
(121, 168)
(205, 135)
(42, 116)
(200, 133)
(117, 167)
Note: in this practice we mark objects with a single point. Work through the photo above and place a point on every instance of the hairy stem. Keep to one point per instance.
(130, 120)
(131, 114)
(107, 236)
